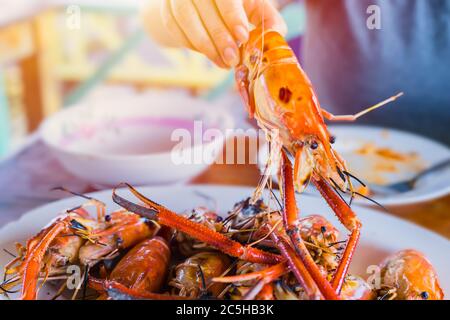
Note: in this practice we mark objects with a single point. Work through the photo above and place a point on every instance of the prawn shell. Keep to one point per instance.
(144, 267)
(412, 275)
(212, 264)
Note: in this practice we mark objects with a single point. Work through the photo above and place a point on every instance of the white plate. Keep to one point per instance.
(381, 234)
(419, 153)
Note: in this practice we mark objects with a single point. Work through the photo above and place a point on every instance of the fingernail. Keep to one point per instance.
(241, 34)
(220, 64)
(230, 56)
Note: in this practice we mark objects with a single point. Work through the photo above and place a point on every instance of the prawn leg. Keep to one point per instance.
(296, 265)
(350, 221)
(33, 261)
(353, 117)
(165, 217)
(291, 222)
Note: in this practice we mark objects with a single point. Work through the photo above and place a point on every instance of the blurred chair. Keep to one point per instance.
(60, 64)
(15, 44)
(100, 51)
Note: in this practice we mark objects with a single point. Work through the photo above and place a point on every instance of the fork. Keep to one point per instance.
(408, 185)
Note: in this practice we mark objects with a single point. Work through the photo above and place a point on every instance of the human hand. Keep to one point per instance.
(213, 27)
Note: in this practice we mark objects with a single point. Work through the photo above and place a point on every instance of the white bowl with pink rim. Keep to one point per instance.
(154, 138)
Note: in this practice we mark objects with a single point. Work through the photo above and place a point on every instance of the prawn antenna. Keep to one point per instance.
(338, 191)
(202, 277)
(276, 198)
(72, 193)
(356, 178)
(85, 281)
(10, 253)
(371, 200)
(204, 289)
(378, 105)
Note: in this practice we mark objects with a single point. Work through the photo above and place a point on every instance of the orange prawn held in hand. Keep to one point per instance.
(278, 93)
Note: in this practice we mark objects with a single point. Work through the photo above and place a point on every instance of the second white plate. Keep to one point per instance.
(383, 156)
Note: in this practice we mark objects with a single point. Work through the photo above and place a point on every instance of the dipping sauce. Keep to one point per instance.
(130, 136)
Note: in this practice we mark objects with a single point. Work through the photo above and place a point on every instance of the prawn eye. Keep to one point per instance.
(332, 139)
(314, 145)
(323, 229)
(424, 295)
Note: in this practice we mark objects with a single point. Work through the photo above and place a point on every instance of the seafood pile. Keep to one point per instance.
(124, 255)
(147, 251)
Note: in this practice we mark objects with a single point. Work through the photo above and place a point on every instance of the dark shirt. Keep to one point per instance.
(353, 67)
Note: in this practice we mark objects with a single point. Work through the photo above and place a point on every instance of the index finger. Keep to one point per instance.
(262, 12)
(235, 18)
